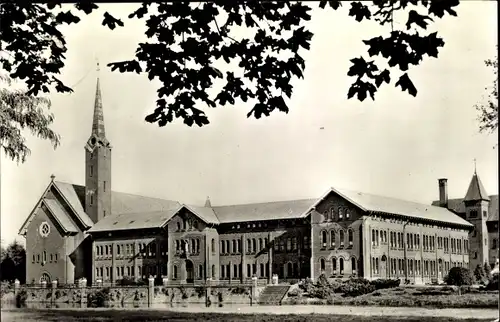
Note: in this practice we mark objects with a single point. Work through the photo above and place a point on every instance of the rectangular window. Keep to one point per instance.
(91, 170)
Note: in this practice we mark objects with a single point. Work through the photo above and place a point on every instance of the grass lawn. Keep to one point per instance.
(430, 297)
(125, 315)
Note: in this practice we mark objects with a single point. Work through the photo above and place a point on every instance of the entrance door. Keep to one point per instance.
(383, 267)
(189, 271)
(305, 269)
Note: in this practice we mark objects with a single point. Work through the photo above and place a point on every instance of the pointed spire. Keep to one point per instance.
(475, 170)
(476, 191)
(208, 204)
(98, 122)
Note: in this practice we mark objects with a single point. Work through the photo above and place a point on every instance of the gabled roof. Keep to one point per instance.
(476, 190)
(74, 195)
(204, 213)
(410, 209)
(457, 205)
(60, 215)
(264, 211)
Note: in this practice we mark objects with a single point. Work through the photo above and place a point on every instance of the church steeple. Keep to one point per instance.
(98, 122)
(98, 164)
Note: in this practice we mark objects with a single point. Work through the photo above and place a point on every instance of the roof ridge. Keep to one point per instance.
(261, 203)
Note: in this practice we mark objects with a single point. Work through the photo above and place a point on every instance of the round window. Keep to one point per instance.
(44, 229)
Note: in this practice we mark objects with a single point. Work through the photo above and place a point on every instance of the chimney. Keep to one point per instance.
(443, 192)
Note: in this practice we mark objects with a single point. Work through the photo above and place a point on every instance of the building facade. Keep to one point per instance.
(91, 231)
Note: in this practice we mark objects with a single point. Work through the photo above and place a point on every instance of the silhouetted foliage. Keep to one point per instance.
(488, 109)
(20, 111)
(13, 265)
(189, 42)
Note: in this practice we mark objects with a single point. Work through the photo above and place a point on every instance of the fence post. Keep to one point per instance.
(83, 288)
(165, 281)
(208, 292)
(17, 285)
(151, 289)
(253, 290)
(54, 287)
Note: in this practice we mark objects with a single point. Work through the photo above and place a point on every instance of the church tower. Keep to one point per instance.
(98, 165)
(476, 209)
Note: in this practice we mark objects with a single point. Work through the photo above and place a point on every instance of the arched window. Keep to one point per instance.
(175, 273)
(213, 245)
(323, 238)
(197, 245)
(213, 271)
(351, 237)
(322, 264)
(260, 244)
(238, 243)
(228, 246)
(347, 214)
(178, 226)
(254, 245)
(249, 245)
(341, 265)
(222, 247)
(265, 243)
(234, 246)
(184, 224)
(332, 213)
(341, 213)
(332, 238)
(262, 271)
(289, 270)
(106, 248)
(44, 256)
(334, 265)
(353, 264)
(341, 235)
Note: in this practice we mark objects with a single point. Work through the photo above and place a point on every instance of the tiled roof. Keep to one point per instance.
(126, 221)
(75, 196)
(124, 203)
(458, 206)
(369, 202)
(60, 215)
(263, 211)
(128, 211)
(476, 190)
(205, 213)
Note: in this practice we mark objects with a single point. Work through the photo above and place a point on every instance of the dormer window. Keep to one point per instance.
(473, 214)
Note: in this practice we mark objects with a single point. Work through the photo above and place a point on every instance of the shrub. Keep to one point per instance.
(240, 291)
(306, 285)
(459, 276)
(21, 297)
(493, 283)
(99, 298)
(385, 283)
(294, 293)
(479, 274)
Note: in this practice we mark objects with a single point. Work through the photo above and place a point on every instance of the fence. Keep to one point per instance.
(102, 295)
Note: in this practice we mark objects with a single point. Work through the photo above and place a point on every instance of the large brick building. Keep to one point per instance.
(94, 232)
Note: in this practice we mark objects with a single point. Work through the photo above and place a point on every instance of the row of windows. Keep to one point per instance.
(337, 213)
(322, 264)
(127, 250)
(187, 224)
(191, 245)
(261, 244)
(43, 258)
(414, 266)
(473, 214)
(333, 239)
(128, 271)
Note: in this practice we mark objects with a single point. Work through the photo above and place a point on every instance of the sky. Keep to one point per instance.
(396, 146)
